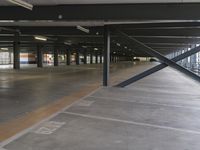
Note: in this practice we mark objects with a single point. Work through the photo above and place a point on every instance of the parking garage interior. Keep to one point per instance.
(116, 75)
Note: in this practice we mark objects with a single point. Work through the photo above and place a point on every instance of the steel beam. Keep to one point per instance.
(154, 53)
(106, 64)
(108, 12)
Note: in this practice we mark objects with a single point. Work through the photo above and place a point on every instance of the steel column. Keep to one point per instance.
(68, 57)
(55, 56)
(39, 57)
(77, 57)
(91, 57)
(96, 58)
(85, 56)
(16, 52)
(106, 64)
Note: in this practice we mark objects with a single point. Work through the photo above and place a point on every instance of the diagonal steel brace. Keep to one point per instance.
(152, 52)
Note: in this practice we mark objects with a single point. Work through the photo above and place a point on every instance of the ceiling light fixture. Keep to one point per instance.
(84, 46)
(118, 44)
(67, 43)
(125, 47)
(22, 4)
(96, 49)
(4, 49)
(41, 38)
(197, 45)
(83, 29)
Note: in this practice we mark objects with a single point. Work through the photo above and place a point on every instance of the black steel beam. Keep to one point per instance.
(180, 11)
(154, 53)
(157, 68)
(106, 64)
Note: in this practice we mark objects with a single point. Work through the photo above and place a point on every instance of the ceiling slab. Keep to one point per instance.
(65, 2)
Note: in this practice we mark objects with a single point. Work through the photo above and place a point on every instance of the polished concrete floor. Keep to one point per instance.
(30, 88)
(160, 112)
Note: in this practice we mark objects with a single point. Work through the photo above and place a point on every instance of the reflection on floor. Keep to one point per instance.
(160, 112)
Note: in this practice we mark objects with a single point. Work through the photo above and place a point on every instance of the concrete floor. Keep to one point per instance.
(30, 88)
(160, 112)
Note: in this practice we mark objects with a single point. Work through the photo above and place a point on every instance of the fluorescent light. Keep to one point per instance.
(22, 4)
(84, 46)
(114, 52)
(7, 21)
(67, 43)
(41, 38)
(189, 49)
(83, 29)
(4, 49)
(197, 45)
(96, 49)
(118, 44)
(125, 47)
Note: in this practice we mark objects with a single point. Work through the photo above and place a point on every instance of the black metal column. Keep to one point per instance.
(106, 63)
(101, 61)
(68, 57)
(96, 58)
(91, 57)
(77, 57)
(55, 56)
(16, 52)
(39, 57)
(85, 56)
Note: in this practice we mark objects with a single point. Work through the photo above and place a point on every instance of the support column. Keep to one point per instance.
(85, 57)
(55, 56)
(77, 57)
(101, 61)
(96, 58)
(106, 64)
(39, 57)
(16, 52)
(91, 57)
(68, 57)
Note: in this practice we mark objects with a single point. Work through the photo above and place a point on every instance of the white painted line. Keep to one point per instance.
(18, 135)
(134, 123)
(151, 103)
(84, 103)
(49, 127)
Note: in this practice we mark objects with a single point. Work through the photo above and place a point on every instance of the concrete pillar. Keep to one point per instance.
(55, 56)
(39, 57)
(16, 52)
(106, 65)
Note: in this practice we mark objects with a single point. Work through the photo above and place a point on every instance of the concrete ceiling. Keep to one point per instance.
(64, 2)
